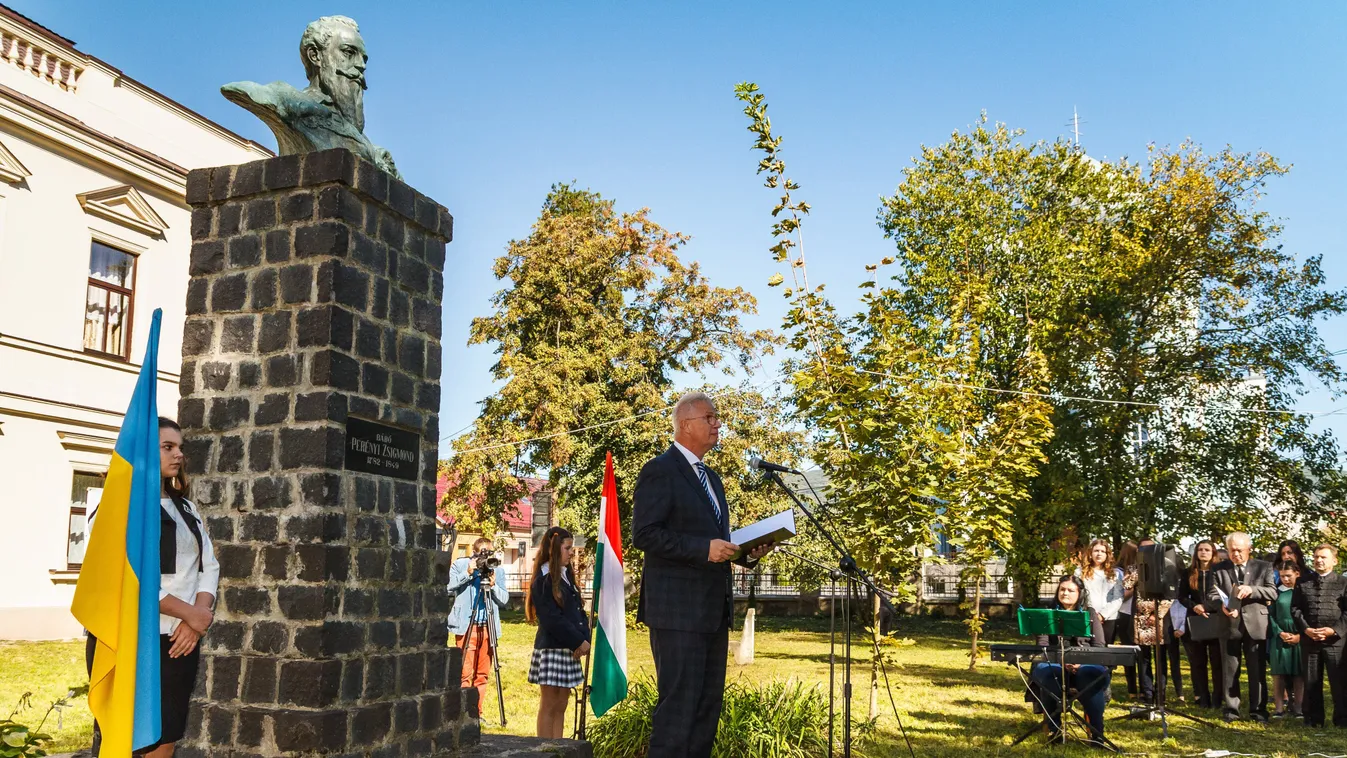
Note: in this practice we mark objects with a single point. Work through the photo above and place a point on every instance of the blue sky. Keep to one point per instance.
(485, 105)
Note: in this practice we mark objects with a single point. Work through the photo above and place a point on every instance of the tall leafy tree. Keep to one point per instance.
(598, 320)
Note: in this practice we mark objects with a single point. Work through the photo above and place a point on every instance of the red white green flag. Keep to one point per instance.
(609, 684)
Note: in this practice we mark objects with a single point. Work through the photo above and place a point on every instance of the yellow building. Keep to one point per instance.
(94, 235)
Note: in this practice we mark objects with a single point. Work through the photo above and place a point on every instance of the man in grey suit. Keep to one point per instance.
(1248, 587)
(681, 521)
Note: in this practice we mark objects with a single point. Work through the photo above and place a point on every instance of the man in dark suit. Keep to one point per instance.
(681, 521)
(1248, 589)
(1319, 607)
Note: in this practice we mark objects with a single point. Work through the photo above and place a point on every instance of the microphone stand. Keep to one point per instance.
(855, 577)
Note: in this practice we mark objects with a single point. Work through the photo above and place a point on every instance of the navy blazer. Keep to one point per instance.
(559, 626)
(673, 523)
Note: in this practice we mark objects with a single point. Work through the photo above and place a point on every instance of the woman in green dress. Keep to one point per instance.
(1288, 680)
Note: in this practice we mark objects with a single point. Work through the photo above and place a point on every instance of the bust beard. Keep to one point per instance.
(346, 94)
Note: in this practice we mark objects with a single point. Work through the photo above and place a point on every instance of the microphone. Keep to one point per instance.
(761, 465)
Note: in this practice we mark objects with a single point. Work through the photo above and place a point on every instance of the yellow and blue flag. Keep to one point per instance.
(117, 596)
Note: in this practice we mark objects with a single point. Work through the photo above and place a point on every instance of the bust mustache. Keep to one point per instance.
(344, 89)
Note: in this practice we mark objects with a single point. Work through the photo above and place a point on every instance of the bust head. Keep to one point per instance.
(334, 60)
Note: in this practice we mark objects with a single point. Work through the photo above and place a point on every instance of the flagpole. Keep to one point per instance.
(584, 698)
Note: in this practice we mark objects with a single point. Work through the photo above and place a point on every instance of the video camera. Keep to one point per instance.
(484, 562)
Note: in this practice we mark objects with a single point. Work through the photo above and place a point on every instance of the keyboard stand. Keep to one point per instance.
(1068, 709)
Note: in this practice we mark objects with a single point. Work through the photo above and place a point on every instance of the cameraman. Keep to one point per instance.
(473, 588)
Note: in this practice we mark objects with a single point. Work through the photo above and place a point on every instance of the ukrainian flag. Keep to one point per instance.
(117, 596)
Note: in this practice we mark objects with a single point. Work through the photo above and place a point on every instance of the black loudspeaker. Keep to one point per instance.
(1158, 572)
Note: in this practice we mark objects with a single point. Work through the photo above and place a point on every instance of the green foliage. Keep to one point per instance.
(598, 319)
(778, 719)
(20, 741)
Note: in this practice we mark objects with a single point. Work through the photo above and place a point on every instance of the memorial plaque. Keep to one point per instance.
(374, 448)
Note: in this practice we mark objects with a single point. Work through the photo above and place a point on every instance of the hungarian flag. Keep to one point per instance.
(117, 595)
(609, 685)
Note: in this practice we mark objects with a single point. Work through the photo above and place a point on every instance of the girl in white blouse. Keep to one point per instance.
(1103, 585)
(188, 582)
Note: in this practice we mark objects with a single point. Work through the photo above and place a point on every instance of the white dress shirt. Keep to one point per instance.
(189, 577)
(693, 460)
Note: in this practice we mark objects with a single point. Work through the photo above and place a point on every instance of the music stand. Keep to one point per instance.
(1062, 624)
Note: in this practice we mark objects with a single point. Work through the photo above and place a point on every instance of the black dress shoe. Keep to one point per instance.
(1261, 718)
(1229, 717)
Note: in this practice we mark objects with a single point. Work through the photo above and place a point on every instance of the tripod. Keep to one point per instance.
(488, 626)
(1157, 708)
(855, 578)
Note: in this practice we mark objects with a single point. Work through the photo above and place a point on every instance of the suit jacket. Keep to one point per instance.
(673, 523)
(1252, 621)
(1318, 602)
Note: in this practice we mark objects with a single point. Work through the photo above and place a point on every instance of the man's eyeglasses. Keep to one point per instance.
(710, 418)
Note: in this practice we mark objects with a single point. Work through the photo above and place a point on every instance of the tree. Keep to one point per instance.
(598, 319)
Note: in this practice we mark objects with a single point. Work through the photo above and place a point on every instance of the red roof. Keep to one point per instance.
(518, 518)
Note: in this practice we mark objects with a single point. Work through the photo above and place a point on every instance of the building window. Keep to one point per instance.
(85, 490)
(108, 304)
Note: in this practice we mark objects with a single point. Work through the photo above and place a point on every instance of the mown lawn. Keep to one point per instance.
(946, 709)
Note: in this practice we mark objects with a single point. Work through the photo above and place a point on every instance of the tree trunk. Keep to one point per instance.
(976, 626)
(874, 663)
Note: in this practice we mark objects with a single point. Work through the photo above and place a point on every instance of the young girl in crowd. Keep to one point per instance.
(1284, 658)
(1103, 584)
(554, 604)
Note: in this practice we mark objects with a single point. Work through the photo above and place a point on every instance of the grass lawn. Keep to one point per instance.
(946, 709)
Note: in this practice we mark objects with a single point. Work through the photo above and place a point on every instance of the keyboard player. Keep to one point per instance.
(1091, 681)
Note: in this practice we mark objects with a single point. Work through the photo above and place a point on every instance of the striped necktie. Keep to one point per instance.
(706, 485)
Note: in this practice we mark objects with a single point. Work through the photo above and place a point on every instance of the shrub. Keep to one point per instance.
(778, 719)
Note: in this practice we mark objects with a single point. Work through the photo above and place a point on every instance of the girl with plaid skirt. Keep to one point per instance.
(555, 605)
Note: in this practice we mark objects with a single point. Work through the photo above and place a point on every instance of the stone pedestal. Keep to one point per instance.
(310, 397)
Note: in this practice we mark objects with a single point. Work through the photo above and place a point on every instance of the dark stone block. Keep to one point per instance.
(321, 448)
(385, 496)
(297, 206)
(370, 530)
(301, 603)
(299, 731)
(412, 354)
(259, 527)
(428, 396)
(269, 637)
(306, 528)
(395, 603)
(372, 182)
(229, 293)
(392, 231)
(259, 683)
(399, 308)
(320, 489)
(374, 380)
(363, 407)
(426, 317)
(341, 204)
(368, 341)
(278, 245)
(215, 375)
(270, 492)
(437, 286)
(412, 632)
(297, 283)
(379, 307)
(312, 563)
(383, 635)
(342, 637)
(380, 677)
(370, 564)
(446, 225)
(220, 725)
(282, 172)
(225, 673)
(231, 455)
(434, 254)
(334, 527)
(245, 251)
(402, 198)
(322, 279)
(220, 178)
(408, 418)
(309, 640)
(439, 602)
(283, 370)
(406, 717)
(275, 332)
(370, 724)
(322, 238)
(247, 179)
(260, 214)
(350, 287)
(455, 674)
(394, 261)
(264, 290)
(196, 296)
(197, 453)
(227, 636)
(228, 412)
(433, 367)
(357, 603)
(437, 668)
(352, 679)
(427, 212)
(251, 723)
(197, 335)
(236, 561)
(369, 253)
(411, 674)
(420, 564)
(247, 601)
(332, 369)
(198, 186)
(337, 561)
(321, 406)
(238, 334)
(250, 375)
(314, 326)
(431, 716)
(273, 409)
(397, 570)
(404, 389)
(311, 684)
(414, 275)
(228, 220)
(324, 166)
